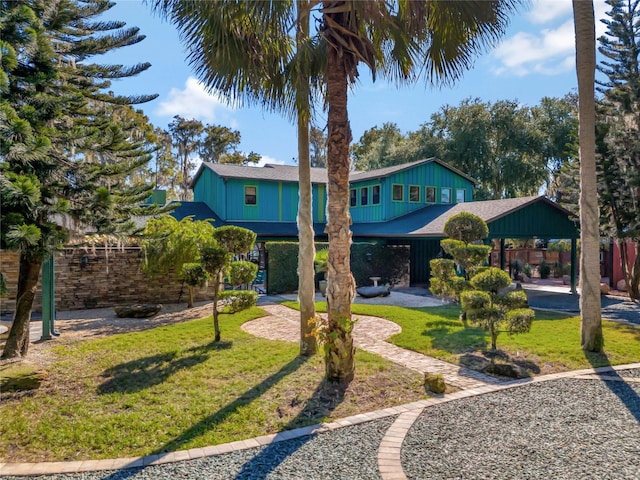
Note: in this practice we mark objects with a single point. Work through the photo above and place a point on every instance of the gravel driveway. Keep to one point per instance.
(572, 428)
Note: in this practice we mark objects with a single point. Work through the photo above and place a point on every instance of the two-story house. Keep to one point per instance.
(402, 205)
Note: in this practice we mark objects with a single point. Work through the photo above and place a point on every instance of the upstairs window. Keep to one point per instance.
(414, 193)
(397, 194)
(250, 195)
(445, 195)
(375, 194)
(430, 194)
(353, 197)
(460, 194)
(364, 196)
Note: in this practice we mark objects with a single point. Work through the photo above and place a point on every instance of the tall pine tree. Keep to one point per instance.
(619, 165)
(64, 153)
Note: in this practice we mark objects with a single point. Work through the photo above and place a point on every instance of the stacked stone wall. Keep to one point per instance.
(99, 278)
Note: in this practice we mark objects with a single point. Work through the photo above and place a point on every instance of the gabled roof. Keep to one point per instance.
(429, 221)
(273, 172)
(385, 172)
(289, 173)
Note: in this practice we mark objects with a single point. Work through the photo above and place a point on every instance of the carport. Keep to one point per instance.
(525, 217)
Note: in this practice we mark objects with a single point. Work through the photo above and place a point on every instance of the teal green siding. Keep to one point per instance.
(426, 175)
(274, 201)
(278, 201)
(370, 212)
(210, 189)
(319, 203)
(536, 220)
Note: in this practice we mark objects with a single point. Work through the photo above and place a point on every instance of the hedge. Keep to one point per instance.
(389, 262)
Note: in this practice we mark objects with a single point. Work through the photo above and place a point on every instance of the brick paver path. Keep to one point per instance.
(369, 333)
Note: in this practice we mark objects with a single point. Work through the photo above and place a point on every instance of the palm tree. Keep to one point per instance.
(307, 251)
(250, 53)
(252, 56)
(403, 39)
(592, 339)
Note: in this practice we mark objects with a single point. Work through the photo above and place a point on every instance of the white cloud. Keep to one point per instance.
(544, 11)
(600, 11)
(526, 52)
(549, 51)
(194, 102)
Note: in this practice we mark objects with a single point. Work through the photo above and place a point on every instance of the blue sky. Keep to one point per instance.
(535, 59)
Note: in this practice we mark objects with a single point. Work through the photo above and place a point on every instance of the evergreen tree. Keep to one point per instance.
(220, 145)
(193, 141)
(619, 162)
(165, 164)
(317, 147)
(379, 148)
(186, 136)
(557, 120)
(63, 161)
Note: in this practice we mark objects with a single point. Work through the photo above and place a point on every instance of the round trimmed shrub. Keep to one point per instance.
(466, 227)
(474, 300)
(491, 280)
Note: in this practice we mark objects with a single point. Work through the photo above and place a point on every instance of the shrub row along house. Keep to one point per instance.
(401, 205)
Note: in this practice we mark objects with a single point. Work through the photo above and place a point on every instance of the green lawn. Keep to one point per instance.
(552, 345)
(170, 388)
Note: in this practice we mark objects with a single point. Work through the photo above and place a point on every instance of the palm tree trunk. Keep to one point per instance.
(307, 251)
(590, 311)
(18, 341)
(339, 352)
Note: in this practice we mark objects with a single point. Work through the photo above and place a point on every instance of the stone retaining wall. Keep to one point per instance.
(96, 278)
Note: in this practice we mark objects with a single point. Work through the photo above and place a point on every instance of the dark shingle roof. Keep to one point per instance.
(197, 210)
(488, 210)
(289, 173)
(429, 221)
(200, 211)
(426, 222)
(277, 173)
(385, 172)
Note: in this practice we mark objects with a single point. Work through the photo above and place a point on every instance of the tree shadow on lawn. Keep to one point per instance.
(218, 417)
(448, 336)
(246, 398)
(142, 373)
(323, 401)
(627, 395)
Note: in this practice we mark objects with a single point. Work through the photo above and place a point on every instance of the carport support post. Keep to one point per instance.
(48, 298)
(574, 264)
(502, 254)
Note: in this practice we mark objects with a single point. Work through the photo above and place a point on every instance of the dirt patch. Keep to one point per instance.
(524, 365)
